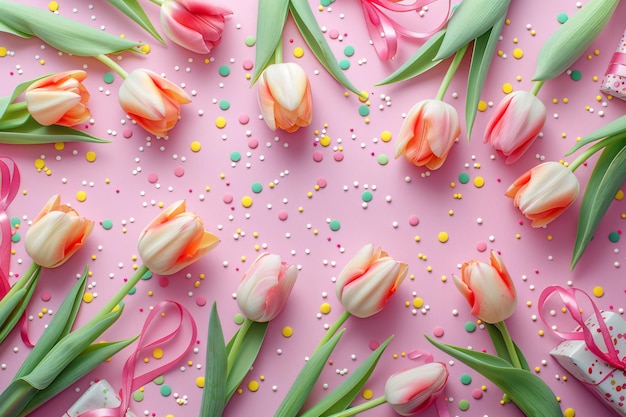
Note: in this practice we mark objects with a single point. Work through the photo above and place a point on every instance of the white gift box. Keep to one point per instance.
(607, 382)
(100, 395)
(614, 82)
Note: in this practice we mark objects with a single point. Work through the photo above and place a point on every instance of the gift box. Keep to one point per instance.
(614, 82)
(605, 381)
(100, 395)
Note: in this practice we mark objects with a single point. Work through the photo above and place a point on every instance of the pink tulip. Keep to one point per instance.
(265, 287)
(428, 133)
(196, 25)
(152, 101)
(518, 119)
(174, 239)
(284, 95)
(488, 289)
(56, 234)
(411, 391)
(544, 192)
(368, 281)
(59, 99)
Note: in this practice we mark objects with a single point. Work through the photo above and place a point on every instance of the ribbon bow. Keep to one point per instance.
(568, 296)
(9, 184)
(384, 31)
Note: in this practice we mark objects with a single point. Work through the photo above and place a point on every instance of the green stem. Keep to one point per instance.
(21, 282)
(234, 350)
(333, 329)
(536, 87)
(119, 296)
(458, 57)
(157, 2)
(580, 159)
(112, 64)
(278, 53)
(508, 342)
(361, 407)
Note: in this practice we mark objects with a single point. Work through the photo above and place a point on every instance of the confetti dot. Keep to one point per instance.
(465, 379)
(562, 18)
(179, 171)
(108, 77)
(334, 225)
(157, 353)
(518, 53)
(46, 296)
(3, 51)
(367, 394)
(220, 122)
(250, 40)
(298, 52)
(138, 395)
(287, 331)
(325, 141)
(16, 237)
(165, 390)
(88, 297)
(481, 246)
(507, 88)
(159, 380)
(576, 75)
(235, 156)
(414, 220)
(443, 237)
(257, 187)
(569, 412)
(479, 182)
(224, 104)
(470, 327)
(224, 71)
(246, 201)
(253, 386)
(325, 308)
(463, 405)
(482, 105)
(283, 215)
(344, 64)
(318, 156)
(477, 394)
(438, 331)
(383, 159)
(107, 224)
(464, 178)
(195, 146)
(367, 196)
(239, 318)
(385, 136)
(598, 291)
(53, 6)
(364, 110)
(81, 196)
(201, 301)
(614, 237)
(200, 382)
(348, 50)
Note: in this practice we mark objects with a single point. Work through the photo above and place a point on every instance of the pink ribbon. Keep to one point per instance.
(384, 31)
(130, 382)
(617, 64)
(568, 296)
(9, 184)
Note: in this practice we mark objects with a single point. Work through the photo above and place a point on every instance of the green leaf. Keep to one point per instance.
(60, 32)
(214, 394)
(271, 18)
(420, 62)
(94, 355)
(15, 398)
(572, 38)
(312, 35)
(498, 343)
(306, 379)
(471, 19)
(614, 128)
(133, 10)
(9, 323)
(482, 55)
(248, 351)
(32, 133)
(604, 182)
(341, 397)
(531, 395)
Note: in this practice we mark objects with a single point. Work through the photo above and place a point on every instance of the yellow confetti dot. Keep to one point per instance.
(325, 140)
(325, 308)
(418, 302)
(385, 136)
(81, 196)
(145, 48)
(157, 353)
(195, 146)
(88, 297)
(619, 195)
(53, 6)
(90, 156)
(443, 237)
(363, 97)
(569, 412)
(200, 382)
(298, 52)
(479, 182)
(287, 331)
(598, 291)
(253, 386)
(482, 105)
(246, 201)
(518, 53)
(444, 278)
(220, 122)
(39, 164)
(367, 394)
(3, 51)
(59, 146)
(507, 88)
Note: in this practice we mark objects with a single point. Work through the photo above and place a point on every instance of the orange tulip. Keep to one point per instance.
(152, 101)
(59, 99)
(56, 234)
(428, 133)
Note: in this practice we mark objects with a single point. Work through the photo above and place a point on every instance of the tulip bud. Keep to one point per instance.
(488, 289)
(411, 391)
(428, 132)
(517, 121)
(368, 281)
(284, 95)
(59, 99)
(196, 25)
(544, 192)
(152, 101)
(56, 234)
(173, 240)
(265, 287)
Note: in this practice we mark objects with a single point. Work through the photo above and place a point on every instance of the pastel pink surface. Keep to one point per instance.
(135, 174)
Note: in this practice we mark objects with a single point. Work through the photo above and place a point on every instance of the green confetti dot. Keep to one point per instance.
(466, 379)
(562, 18)
(15, 221)
(470, 326)
(348, 50)
(138, 395)
(334, 225)
(108, 77)
(367, 196)
(132, 291)
(166, 390)
(250, 40)
(107, 224)
(257, 187)
(344, 64)
(464, 178)
(239, 318)
(325, 3)
(147, 275)
(235, 156)
(383, 159)
(224, 104)
(224, 71)
(15, 237)
(576, 75)
(463, 405)
(159, 380)
(364, 110)
(614, 237)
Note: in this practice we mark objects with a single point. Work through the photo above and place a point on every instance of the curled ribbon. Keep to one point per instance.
(130, 382)
(617, 64)
(384, 31)
(568, 296)
(9, 184)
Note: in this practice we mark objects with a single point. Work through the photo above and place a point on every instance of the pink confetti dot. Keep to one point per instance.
(253, 143)
(414, 220)
(481, 246)
(438, 331)
(228, 198)
(321, 182)
(338, 156)
(318, 156)
(282, 215)
(164, 282)
(244, 119)
(248, 64)
(201, 301)
(334, 34)
(152, 178)
(46, 296)
(373, 345)
(127, 133)
(477, 394)
(179, 171)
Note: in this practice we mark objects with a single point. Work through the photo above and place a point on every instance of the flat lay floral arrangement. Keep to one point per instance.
(199, 214)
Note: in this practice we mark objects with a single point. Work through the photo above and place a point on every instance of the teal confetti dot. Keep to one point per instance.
(15, 221)
(383, 159)
(470, 327)
(614, 237)
(367, 196)
(344, 64)
(235, 156)
(147, 275)
(334, 225)
(257, 187)
(16, 237)
(108, 77)
(576, 75)
(562, 18)
(166, 390)
(464, 178)
(107, 224)
(224, 104)
(132, 291)
(364, 110)
(239, 318)
(348, 50)
(466, 379)
(325, 3)
(224, 71)
(250, 40)
(463, 405)
(138, 396)
(159, 380)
